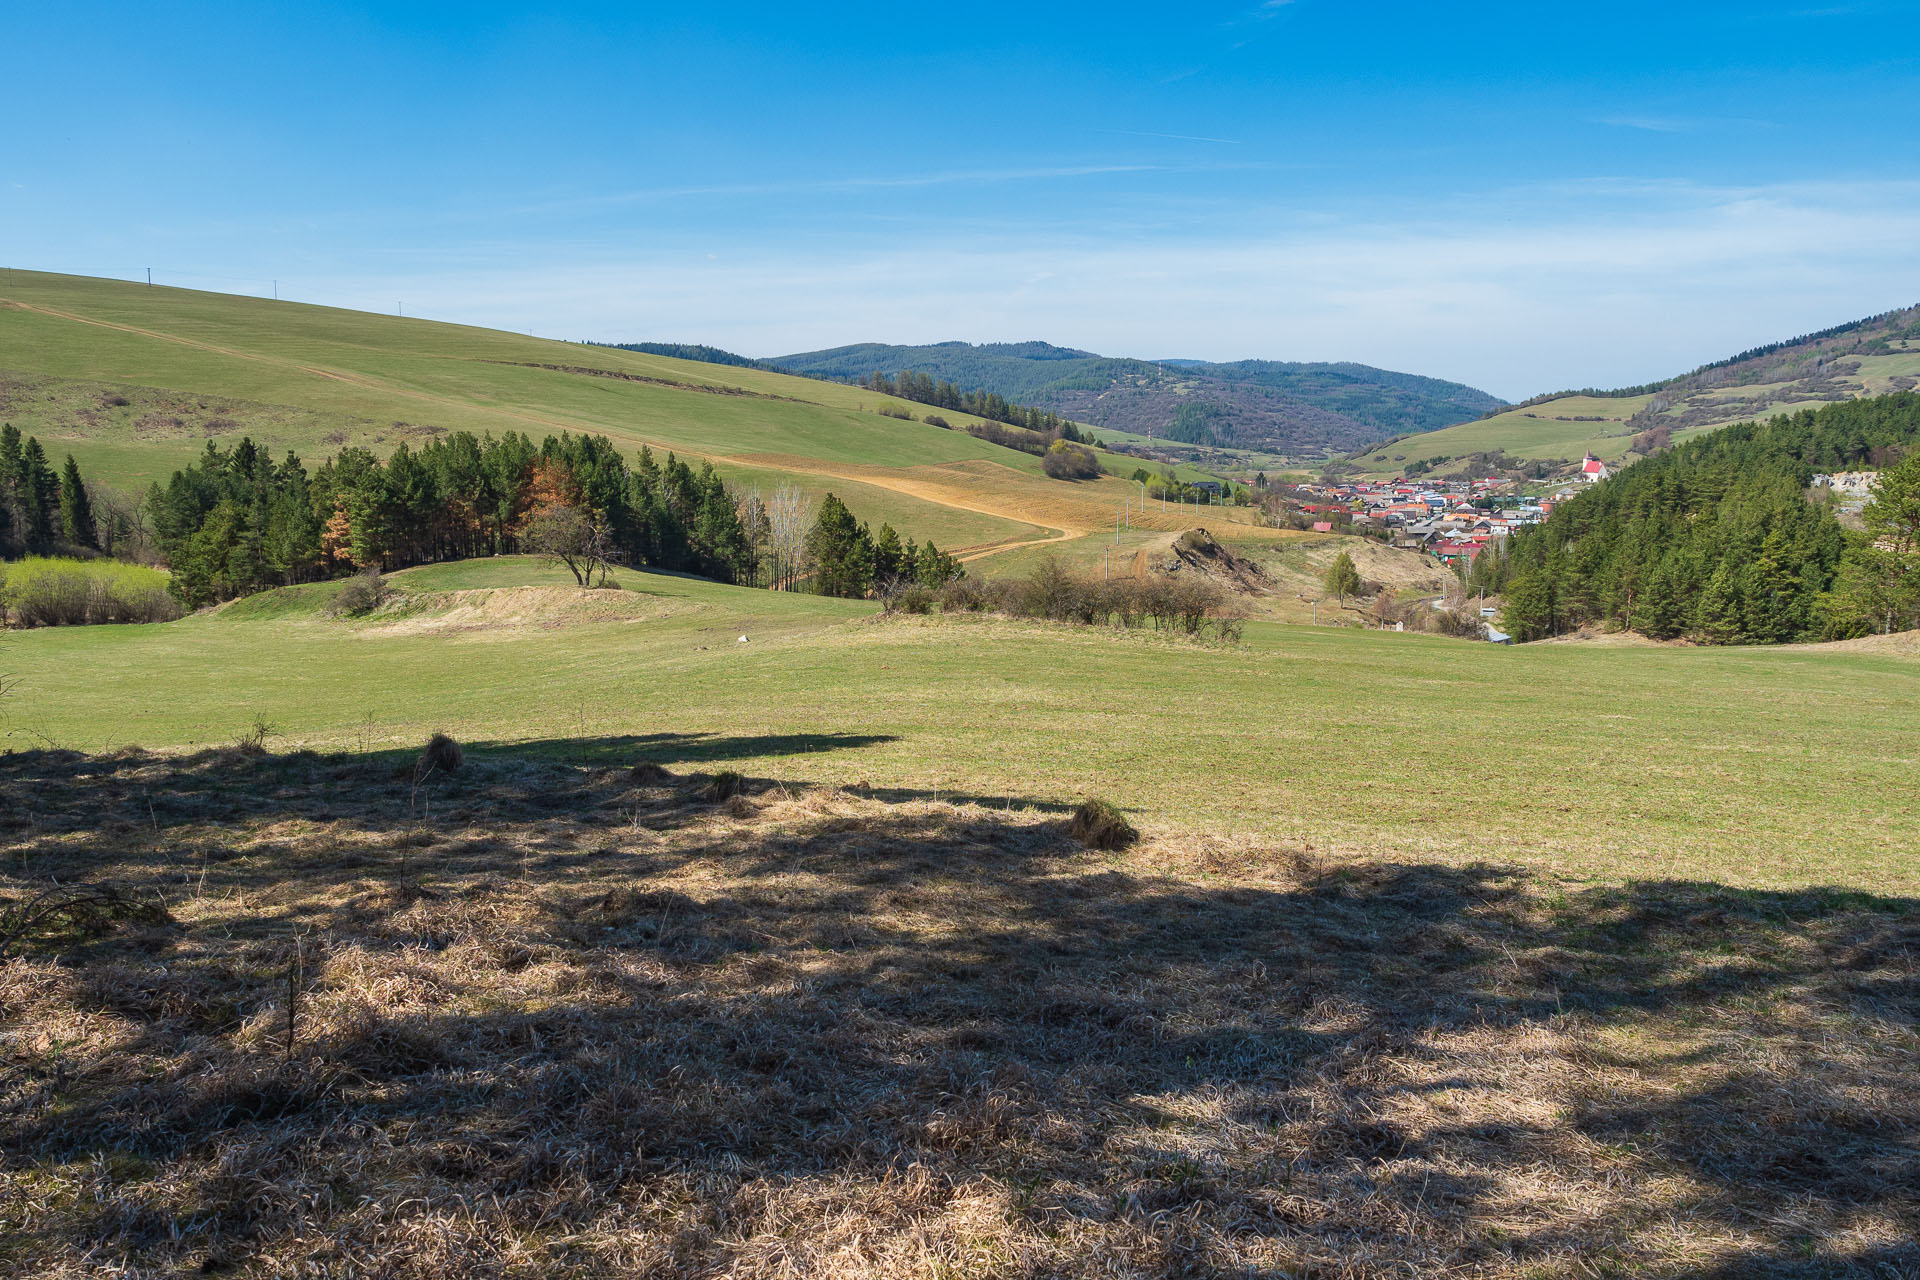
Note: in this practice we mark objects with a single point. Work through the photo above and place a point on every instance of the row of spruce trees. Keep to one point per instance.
(41, 512)
(236, 521)
(922, 389)
(1720, 540)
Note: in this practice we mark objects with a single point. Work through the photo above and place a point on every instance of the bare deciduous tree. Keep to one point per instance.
(573, 536)
(756, 525)
(789, 516)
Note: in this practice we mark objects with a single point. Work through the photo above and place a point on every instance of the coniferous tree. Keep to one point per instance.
(841, 551)
(76, 513)
(40, 497)
(888, 556)
(1342, 579)
(1719, 614)
(1529, 610)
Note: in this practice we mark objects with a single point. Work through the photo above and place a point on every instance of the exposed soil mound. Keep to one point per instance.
(1901, 643)
(1196, 549)
(507, 608)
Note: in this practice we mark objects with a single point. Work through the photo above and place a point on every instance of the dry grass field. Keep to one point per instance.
(546, 1015)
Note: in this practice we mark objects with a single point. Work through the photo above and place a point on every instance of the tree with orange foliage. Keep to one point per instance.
(549, 486)
(336, 536)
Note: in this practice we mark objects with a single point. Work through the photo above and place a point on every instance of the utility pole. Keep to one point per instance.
(149, 277)
(276, 291)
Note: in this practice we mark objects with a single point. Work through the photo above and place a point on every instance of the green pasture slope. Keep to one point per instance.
(1749, 767)
(133, 380)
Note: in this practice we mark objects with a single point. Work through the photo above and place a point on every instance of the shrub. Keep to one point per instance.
(913, 599)
(935, 420)
(964, 595)
(441, 755)
(361, 595)
(1065, 461)
(1010, 437)
(254, 741)
(55, 592)
(1099, 824)
(895, 411)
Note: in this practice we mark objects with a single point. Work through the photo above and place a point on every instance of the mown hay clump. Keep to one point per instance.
(1098, 824)
(649, 774)
(724, 785)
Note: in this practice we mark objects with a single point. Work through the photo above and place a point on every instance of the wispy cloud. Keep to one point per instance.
(1651, 124)
(828, 186)
(1568, 293)
(1178, 137)
(1519, 290)
(1682, 124)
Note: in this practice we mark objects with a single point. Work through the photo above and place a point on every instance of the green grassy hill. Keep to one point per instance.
(134, 380)
(1866, 358)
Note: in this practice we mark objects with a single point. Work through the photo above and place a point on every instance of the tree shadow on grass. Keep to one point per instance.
(701, 1039)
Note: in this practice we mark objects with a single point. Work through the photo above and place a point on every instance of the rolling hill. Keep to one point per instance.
(1297, 409)
(1864, 358)
(134, 381)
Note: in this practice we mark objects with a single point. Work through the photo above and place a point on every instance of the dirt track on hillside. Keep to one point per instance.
(927, 490)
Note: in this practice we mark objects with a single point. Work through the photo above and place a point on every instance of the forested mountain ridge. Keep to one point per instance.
(1870, 357)
(1289, 407)
(1721, 540)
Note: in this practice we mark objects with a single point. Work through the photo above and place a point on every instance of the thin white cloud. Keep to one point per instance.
(1519, 291)
(1178, 137)
(828, 186)
(1651, 124)
(1577, 294)
(1682, 124)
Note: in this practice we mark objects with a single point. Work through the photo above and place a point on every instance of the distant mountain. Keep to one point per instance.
(1261, 404)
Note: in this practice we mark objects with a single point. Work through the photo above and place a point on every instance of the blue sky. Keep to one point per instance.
(1520, 196)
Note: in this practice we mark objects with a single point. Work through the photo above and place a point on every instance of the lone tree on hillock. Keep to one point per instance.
(1342, 579)
(573, 536)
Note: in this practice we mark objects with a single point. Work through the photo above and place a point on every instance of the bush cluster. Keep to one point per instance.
(1065, 461)
(1184, 603)
(362, 595)
(45, 592)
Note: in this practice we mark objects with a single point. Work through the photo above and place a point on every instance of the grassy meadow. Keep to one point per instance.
(777, 957)
(1757, 767)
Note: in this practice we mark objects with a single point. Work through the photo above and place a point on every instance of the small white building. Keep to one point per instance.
(1592, 470)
